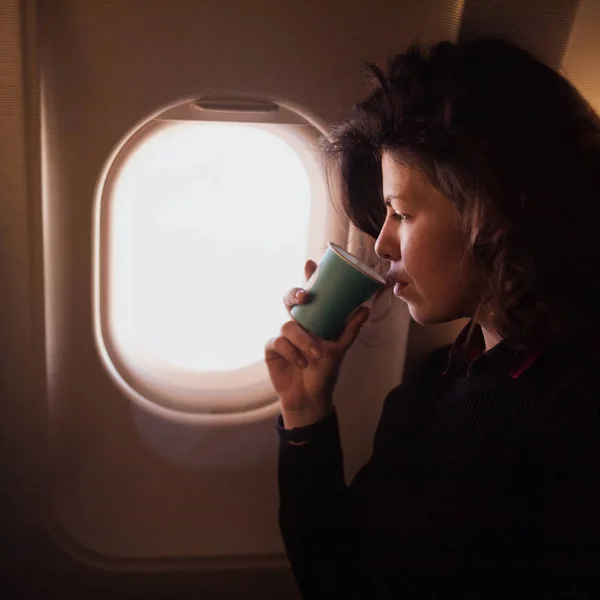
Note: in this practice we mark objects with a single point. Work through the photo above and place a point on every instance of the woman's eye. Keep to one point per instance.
(398, 217)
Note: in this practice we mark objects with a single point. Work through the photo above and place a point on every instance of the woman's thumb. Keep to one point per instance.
(353, 327)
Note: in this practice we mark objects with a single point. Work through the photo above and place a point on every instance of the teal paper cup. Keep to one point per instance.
(338, 287)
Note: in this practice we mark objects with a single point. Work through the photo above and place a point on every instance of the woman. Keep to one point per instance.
(477, 170)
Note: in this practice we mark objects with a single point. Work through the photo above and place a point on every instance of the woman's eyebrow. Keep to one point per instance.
(388, 199)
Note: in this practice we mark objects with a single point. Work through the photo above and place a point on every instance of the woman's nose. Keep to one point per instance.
(386, 247)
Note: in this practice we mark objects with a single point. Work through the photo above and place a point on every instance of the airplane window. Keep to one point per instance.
(202, 223)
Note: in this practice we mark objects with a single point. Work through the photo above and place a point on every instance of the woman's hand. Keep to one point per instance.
(303, 367)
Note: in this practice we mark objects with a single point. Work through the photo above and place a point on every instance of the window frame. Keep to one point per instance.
(199, 398)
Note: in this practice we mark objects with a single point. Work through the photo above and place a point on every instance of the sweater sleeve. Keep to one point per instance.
(562, 453)
(316, 515)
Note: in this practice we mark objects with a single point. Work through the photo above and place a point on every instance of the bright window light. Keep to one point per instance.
(208, 226)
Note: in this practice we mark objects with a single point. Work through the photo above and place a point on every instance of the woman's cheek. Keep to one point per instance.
(410, 256)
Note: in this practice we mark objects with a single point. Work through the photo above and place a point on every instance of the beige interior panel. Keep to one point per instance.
(130, 486)
(540, 26)
(118, 488)
(580, 63)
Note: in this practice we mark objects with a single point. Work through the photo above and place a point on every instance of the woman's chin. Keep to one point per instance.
(424, 317)
(418, 315)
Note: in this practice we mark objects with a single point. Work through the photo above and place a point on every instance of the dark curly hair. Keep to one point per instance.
(516, 149)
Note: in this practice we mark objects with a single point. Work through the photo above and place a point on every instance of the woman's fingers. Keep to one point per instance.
(310, 266)
(302, 340)
(295, 296)
(294, 344)
(352, 329)
(299, 295)
(280, 347)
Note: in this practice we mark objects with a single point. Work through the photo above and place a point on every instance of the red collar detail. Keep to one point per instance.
(502, 356)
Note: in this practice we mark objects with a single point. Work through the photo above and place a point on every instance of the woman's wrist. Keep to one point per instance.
(305, 416)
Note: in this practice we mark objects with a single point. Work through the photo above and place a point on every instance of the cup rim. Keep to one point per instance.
(360, 266)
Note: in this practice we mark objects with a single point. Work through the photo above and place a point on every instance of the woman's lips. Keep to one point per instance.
(398, 288)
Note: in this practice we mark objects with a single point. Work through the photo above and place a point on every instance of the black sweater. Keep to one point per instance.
(479, 486)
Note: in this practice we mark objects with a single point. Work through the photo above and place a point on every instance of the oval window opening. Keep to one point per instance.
(203, 226)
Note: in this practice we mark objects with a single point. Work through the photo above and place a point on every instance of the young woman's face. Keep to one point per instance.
(421, 238)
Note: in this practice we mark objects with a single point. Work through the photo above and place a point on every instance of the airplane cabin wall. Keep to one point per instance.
(118, 490)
